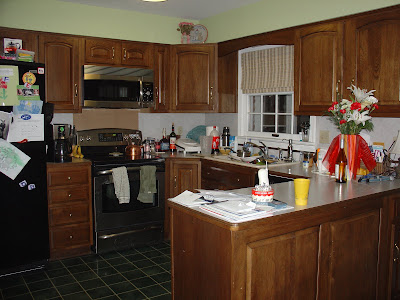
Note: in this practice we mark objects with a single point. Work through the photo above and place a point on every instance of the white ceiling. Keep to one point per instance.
(185, 9)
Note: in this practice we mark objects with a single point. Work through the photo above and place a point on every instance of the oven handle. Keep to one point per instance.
(107, 236)
(106, 172)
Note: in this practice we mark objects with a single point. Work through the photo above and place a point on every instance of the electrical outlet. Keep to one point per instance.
(179, 130)
(324, 137)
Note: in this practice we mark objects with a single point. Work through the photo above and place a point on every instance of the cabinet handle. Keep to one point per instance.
(76, 90)
(337, 90)
(159, 99)
(70, 237)
(70, 215)
(353, 81)
(211, 93)
(113, 53)
(124, 53)
(175, 182)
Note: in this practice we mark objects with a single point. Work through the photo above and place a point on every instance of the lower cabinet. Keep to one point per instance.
(181, 174)
(339, 253)
(70, 209)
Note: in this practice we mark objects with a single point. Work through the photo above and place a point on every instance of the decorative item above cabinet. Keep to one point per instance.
(115, 52)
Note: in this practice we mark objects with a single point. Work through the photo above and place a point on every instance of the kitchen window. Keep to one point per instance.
(266, 108)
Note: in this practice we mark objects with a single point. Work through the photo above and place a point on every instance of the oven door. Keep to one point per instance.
(123, 225)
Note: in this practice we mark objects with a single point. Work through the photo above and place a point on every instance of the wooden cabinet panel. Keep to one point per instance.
(102, 51)
(137, 54)
(228, 83)
(161, 78)
(194, 73)
(318, 67)
(273, 265)
(375, 65)
(349, 253)
(222, 176)
(70, 214)
(62, 57)
(67, 177)
(67, 194)
(29, 39)
(70, 209)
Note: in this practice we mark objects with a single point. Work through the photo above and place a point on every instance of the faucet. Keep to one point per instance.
(289, 150)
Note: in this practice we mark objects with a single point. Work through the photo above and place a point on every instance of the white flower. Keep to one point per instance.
(358, 117)
(360, 94)
(344, 104)
(368, 101)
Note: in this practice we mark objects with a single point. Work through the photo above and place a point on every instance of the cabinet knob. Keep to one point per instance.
(70, 215)
(70, 237)
(238, 179)
(69, 177)
(69, 195)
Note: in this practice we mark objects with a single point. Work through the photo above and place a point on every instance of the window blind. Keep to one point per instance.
(268, 71)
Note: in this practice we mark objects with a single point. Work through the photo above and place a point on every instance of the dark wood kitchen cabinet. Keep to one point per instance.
(29, 38)
(70, 209)
(181, 174)
(116, 52)
(62, 55)
(318, 67)
(225, 176)
(372, 51)
(194, 78)
(161, 78)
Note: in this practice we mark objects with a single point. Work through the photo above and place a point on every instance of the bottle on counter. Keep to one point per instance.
(225, 137)
(172, 140)
(164, 142)
(341, 163)
(215, 141)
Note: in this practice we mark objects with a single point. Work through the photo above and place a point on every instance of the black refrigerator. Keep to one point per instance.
(23, 201)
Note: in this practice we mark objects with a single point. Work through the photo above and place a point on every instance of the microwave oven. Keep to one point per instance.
(113, 87)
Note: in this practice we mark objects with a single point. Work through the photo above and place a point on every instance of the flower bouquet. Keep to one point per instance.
(350, 117)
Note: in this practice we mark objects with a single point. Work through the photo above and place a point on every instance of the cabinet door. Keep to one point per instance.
(102, 51)
(318, 67)
(349, 253)
(161, 76)
(228, 83)
(137, 54)
(289, 260)
(185, 176)
(29, 39)
(62, 56)
(194, 70)
(372, 62)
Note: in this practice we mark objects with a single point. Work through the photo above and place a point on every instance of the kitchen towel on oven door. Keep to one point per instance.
(121, 184)
(147, 184)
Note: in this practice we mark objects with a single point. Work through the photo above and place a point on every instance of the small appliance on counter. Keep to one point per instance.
(188, 145)
(62, 143)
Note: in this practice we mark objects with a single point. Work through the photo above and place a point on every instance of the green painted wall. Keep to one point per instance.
(66, 17)
(269, 15)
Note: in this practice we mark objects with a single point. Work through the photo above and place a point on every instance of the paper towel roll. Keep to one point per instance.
(263, 177)
(210, 128)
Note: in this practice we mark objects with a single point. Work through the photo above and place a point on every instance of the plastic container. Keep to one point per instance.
(262, 194)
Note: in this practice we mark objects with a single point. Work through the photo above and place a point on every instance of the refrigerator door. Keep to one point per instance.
(23, 213)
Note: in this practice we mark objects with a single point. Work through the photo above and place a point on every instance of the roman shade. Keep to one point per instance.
(268, 71)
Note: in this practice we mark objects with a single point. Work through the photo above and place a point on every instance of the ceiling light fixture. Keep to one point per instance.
(154, 0)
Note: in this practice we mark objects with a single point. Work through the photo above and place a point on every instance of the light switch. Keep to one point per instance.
(324, 137)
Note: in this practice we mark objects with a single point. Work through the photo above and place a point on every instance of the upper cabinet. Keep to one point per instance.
(362, 50)
(29, 39)
(115, 52)
(318, 67)
(161, 78)
(194, 78)
(372, 58)
(62, 55)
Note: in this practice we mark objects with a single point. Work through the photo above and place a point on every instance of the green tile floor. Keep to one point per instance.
(140, 273)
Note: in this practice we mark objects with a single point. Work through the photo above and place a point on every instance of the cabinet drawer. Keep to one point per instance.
(225, 178)
(67, 177)
(69, 214)
(68, 194)
(70, 236)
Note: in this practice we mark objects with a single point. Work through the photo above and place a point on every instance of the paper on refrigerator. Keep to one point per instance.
(12, 160)
(26, 126)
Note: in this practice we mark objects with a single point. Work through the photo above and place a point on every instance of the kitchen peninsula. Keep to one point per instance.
(339, 246)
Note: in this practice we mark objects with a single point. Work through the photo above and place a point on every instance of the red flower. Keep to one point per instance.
(355, 106)
(331, 108)
(342, 122)
(335, 103)
(343, 111)
(375, 106)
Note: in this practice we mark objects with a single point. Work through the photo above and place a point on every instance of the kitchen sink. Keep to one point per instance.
(229, 159)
